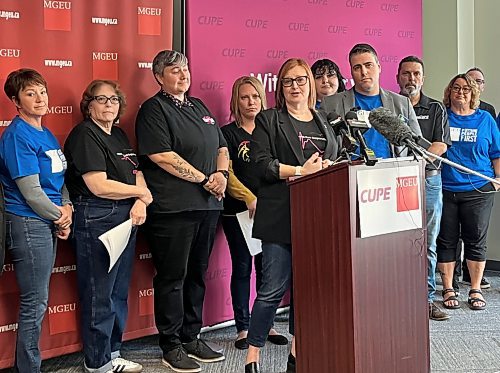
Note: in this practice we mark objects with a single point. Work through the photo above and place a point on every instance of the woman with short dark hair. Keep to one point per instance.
(32, 168)
(327, 78)
(107, 189)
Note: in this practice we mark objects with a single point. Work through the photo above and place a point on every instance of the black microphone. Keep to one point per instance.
(390, 126)
(340, 128)
(355, 122)
(358, 126)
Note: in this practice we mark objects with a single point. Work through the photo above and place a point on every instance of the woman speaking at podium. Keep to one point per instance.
(292, 139)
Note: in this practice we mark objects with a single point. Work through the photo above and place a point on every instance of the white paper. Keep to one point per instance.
(115, 240)
(246, 224)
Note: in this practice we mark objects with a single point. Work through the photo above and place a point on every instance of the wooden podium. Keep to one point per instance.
(360, 303)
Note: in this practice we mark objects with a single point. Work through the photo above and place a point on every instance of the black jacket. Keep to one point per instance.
(275, 142)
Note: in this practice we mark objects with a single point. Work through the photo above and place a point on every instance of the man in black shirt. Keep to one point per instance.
(433, 121)
(476, 74)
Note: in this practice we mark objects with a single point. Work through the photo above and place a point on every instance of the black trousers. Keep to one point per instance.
(465, 215)
(180, 245)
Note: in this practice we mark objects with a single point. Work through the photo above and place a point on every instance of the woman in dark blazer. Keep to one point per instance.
(292, 139)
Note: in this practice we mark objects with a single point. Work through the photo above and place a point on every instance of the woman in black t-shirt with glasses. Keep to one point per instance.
(247, 100)
(106, 189)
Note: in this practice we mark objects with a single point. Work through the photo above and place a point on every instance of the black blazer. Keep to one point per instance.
(275, 142)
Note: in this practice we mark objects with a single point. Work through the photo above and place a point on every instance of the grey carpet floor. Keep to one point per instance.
(469, 342)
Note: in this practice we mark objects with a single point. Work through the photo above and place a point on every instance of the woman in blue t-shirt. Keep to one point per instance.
(467, 199)
(32, 168)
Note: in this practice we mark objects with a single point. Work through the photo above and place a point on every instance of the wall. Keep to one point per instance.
(459, 34)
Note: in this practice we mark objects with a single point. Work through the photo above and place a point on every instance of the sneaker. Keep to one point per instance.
(485, 284)
(436, 314)
(126, 366)
(178, 360)
(200, 351)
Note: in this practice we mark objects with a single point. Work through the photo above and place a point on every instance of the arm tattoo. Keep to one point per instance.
(224, 152)
(182, 168)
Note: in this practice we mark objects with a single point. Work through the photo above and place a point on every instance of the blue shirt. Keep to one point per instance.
(25, 151)
(373, 138)
(475, 143)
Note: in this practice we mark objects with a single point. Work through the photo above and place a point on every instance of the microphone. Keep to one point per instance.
(359, 124)
(358, 120)
(340, 128)
(391, 127)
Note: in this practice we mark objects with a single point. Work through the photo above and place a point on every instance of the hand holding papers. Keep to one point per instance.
(246, 224)
(115, 240)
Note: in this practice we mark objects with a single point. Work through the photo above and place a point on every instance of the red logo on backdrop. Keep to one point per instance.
(57, 15)
(148, 21)
(10, 60)
(146, 302)
(62, 318)
(105, 65)
(407, 193)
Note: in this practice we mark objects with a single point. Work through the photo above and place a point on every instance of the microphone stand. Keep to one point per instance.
(426, 154)
(368, 154)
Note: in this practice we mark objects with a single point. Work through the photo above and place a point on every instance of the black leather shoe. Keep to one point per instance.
(252, 368)
(277, 339)
(290, 365)
(241, 344)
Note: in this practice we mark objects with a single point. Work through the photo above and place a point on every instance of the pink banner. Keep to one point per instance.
(228, 39)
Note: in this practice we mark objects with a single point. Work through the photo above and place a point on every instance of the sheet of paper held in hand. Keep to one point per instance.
(246, 224)
(115, 240)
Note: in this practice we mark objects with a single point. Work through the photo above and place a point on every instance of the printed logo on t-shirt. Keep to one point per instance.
(208, 119)
(468, 134)
(128, 157)
(57, 159)
(244, 151)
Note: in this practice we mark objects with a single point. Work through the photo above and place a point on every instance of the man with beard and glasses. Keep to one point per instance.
(433, 121)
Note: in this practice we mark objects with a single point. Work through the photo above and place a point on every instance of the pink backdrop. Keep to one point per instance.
(228, 39)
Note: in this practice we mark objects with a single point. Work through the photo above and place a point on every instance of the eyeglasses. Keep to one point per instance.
(480, 81)
(288, 82)
(104, 99)
(457, 89)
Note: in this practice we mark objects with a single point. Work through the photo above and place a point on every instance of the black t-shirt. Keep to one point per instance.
(88, 148)
(311, 138)
(191, 132)
(433, 121)
(238, 143)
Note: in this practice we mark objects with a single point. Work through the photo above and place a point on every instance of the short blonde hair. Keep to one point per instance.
(474, 93)
(285, 68)
(234, 107)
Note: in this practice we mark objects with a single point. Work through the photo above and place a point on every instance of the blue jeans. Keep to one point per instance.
(241, 261)
(103, 295)
(276, 280)
(32, 246)
(433, 210)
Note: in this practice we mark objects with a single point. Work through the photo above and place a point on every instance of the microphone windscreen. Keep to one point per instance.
(351, 115)
(390, 126)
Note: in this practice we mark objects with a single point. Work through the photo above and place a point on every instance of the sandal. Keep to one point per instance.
(451, 298)
(474, 300)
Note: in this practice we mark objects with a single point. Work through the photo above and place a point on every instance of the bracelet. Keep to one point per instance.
(204, 181)
(224, 172)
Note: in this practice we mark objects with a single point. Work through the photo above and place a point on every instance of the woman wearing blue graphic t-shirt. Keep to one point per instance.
(32, 168)
(467, 199)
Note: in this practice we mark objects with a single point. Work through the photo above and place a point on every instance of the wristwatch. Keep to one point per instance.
(225, 173)
(204, 181)
(298, 170)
